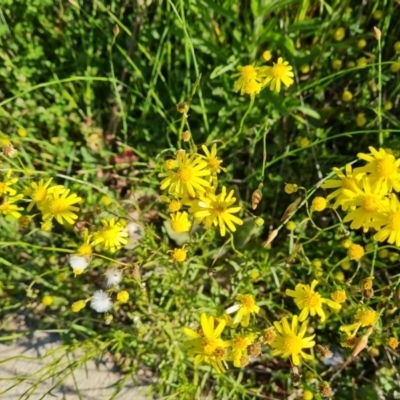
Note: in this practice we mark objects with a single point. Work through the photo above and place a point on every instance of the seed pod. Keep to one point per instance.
(291, 209)
(256, 196)
(271, 237)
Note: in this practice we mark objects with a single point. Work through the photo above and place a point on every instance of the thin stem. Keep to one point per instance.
(380, 92)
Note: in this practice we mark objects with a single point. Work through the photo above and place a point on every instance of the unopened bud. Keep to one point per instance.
(254, 349)
(325, 390)
(368, 293)
(377, 33)
(256, 196)
(291, 188)
(271, 237)
(259, 221)
(361, 344)
(116, 30)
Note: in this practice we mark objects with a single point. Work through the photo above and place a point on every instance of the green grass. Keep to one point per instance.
(94, 85)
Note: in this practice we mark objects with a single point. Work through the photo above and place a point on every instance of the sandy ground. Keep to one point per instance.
(24, 361)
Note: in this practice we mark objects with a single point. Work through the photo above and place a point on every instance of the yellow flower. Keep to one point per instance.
(60, 206)
(47, 225)
(339, 34)
(396, 46)
(7, 207)
(390, 219)
(180, 222)
(245, 308)
(280, 72)
(5, 185)
(347, 96)
(179, 255)
(346, 243)
(319, 203)
(355, 252)
(252, 88)
(382, 167)
(208, 347)
(47, 300)
(339, 296)
(291, 226)
(217, 211)
(187, 179)
(289, 342)
(345, 181)
(361, 44)
(393, 343)
(214, 163)
(364, 317)
(305, 69)
(337, 64)
(85, 249)
(38, 192)
(368, 203)
(246, 74)
(304, 142)
(123, 296)
(111, 235)
(309, 301)
(239, 346)
(266, 56)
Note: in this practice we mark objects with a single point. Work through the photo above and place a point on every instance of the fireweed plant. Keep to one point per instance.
(196, 265)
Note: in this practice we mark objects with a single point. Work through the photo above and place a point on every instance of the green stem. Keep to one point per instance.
(380, 92)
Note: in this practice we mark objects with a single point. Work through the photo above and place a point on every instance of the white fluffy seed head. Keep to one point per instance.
(78, 263)
(113, 276)
(101, 301)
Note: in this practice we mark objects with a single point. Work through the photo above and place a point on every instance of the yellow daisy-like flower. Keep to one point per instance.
(179, 255)
(5, 185)
(7, 207)
(356, 252)
(345, 181)
(310, 301)
(60, 206)
(252, 88)
(339, 296)
(390, 219)
(364, 317)
(180, 222)
(214, 163)
(111, 235)
(174, 205)
(86, 249)
(207, 346)
(239, 344)
(38, 192)
(289, 342)
(280, 72)
(382, 167)
(186, 180)
(247, 306)
(319, 203)
(246, 74)
(368, 203)
(217, 211)
(393, 343)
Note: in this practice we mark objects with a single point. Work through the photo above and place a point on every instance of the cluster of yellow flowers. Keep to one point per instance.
(253, 78)
(286, 337)
(367, 194)
(192, 183)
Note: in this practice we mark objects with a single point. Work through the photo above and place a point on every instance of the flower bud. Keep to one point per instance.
(256, 196)
(116, 30)
(259, 221)
(271, 237)
(182, 107)
(377, 33)
(291, 209)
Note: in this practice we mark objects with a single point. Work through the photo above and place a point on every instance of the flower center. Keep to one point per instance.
(85, 250)
(174, 206)
(239, 343)
(247, 301)
(278, 71)
(312, 300)
(110, 233)
(39, 195)
(366, 317)
(220, 210)
(386, 167)
(213, 163)
(369, 204)
(394, 221)
(58, 206)
(248, 72)
(292, 344)
(185, 174)
(220, 353)
(209, 346)
(348, 184)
